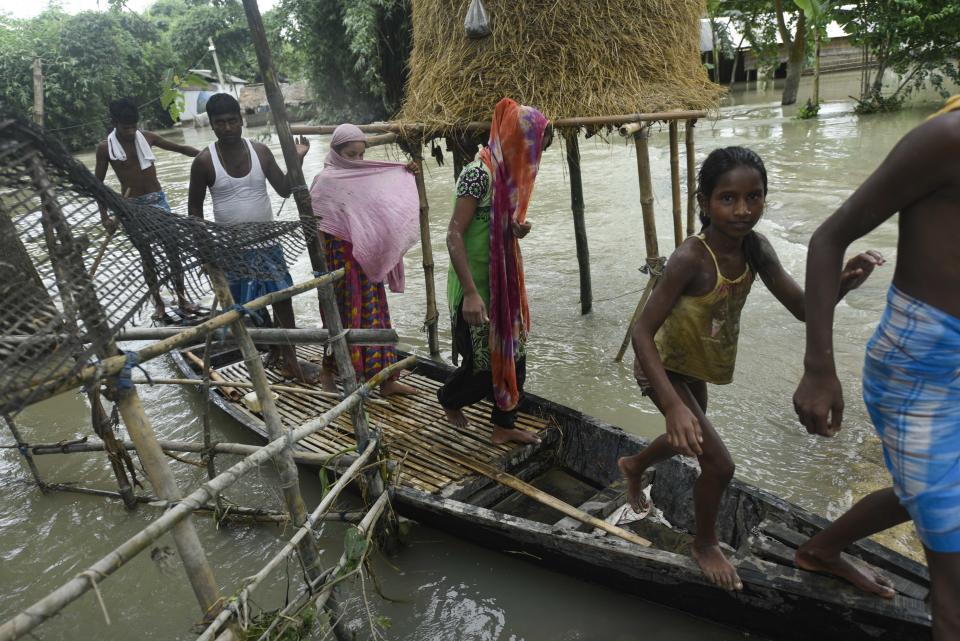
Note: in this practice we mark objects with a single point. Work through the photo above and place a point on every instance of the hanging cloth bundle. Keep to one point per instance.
(477, 22)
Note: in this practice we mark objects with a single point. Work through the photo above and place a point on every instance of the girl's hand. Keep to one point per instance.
(858, 269)
(683, 431)
(474, 311)
(413, 167)
(520, 229)
(818, 403)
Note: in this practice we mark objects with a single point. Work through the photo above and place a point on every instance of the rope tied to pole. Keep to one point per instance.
(92, 576)
(240, 309)
(654, 266)
(123, 380)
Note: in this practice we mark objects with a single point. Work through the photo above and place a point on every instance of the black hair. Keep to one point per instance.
(123, 111)
(548, 133)
(719, 162)
(222, 103)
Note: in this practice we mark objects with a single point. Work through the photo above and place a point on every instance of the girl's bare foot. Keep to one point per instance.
(715, 566)
(503, 435)
(455, 416)
(328, 382)
(393, 386)
(843, 567)
(634, 478)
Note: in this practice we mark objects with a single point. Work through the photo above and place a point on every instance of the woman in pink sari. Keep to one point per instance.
(368, 217)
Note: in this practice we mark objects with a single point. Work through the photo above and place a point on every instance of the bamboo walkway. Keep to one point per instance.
(411, 426)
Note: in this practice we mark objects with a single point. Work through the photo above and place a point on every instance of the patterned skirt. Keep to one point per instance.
(362, 304)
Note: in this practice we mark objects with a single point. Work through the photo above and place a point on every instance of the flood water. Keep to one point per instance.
(443, 588)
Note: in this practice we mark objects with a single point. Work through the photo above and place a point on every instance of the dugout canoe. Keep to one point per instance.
(577, 463)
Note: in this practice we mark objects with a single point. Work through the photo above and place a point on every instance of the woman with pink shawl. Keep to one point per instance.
(368, 217)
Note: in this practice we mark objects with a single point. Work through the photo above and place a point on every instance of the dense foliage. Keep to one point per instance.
(93, 57)
(919, 40)
(355, 54)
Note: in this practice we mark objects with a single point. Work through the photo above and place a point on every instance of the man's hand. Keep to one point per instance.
(683, 431)
(858, 269)
(303, 146)
(818, 402)
(474, 311)
(520, 229)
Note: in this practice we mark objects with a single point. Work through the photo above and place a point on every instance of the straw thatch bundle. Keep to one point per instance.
(574, 58)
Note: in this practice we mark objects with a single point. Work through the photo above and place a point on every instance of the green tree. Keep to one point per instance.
(355, 54)
(88, 59)
(919, 40)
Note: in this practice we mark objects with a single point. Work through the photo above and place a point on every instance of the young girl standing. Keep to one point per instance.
(687, 334)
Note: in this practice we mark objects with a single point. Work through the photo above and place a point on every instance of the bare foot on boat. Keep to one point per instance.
(859, 575)
(716, 567)
(159, 313)
(188, 307)
(302, 371)
(634, 478)
(456, 417)
(394, 386)
(503, 435)
(328, 382)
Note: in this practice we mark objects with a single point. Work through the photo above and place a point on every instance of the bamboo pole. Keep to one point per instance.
(675, 184)
(691, 177)
(426, 246)
(25, 453)
(406, 129)
(653, 259)
(542, 497)
(119, 459)
(39, 389)
(55, 601)
(579, 224)
(303, 531)
(655, 272)
(286, 468)
(128, 402)
(241, 449)
(274, 335)
(258, 515)
(205, 392)
(328, 305)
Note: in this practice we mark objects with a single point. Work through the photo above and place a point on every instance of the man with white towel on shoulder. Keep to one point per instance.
(128, 150)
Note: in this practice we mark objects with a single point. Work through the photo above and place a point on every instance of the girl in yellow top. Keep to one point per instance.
(687, 334)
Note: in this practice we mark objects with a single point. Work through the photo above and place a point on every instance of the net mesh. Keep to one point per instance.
(68, 285)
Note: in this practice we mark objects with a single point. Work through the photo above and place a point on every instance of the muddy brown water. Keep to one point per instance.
(443, 588)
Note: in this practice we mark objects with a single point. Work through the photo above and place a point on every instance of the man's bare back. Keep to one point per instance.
(135, 181)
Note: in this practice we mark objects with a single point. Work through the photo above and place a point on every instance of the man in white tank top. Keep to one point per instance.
(236, 171)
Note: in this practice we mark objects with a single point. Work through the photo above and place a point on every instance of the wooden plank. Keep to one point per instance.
(538, 495)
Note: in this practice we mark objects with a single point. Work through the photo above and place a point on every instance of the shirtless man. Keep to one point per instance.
(236, 171)
(911, 375)
(128, 150)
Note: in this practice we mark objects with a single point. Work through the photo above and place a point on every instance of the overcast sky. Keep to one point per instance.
(30, 8)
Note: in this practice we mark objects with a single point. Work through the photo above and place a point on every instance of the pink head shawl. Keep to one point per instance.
(373, 205)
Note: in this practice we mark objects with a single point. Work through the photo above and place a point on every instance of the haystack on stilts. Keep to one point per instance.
(572, 61)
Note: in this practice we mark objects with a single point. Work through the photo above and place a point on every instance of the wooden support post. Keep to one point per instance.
(328, 304)
(286, 468)
(128, 402)
(38, 91)
(426, 248)
(649, 230)
(579, 224)
(205, 390)
(655, 272)
(678, 235)
(691, 179)
(25, 452)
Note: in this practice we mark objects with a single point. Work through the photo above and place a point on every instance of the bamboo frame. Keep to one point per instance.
(289, 479)
(67, 259)
(304, 529)
(52, 603)
(691, 177)
(477, 126)
(275, 335)
(40, 389)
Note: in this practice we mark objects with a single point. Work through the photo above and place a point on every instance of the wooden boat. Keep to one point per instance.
(577, 463)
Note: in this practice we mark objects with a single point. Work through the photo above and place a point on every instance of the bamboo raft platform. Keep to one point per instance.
(412, 427)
